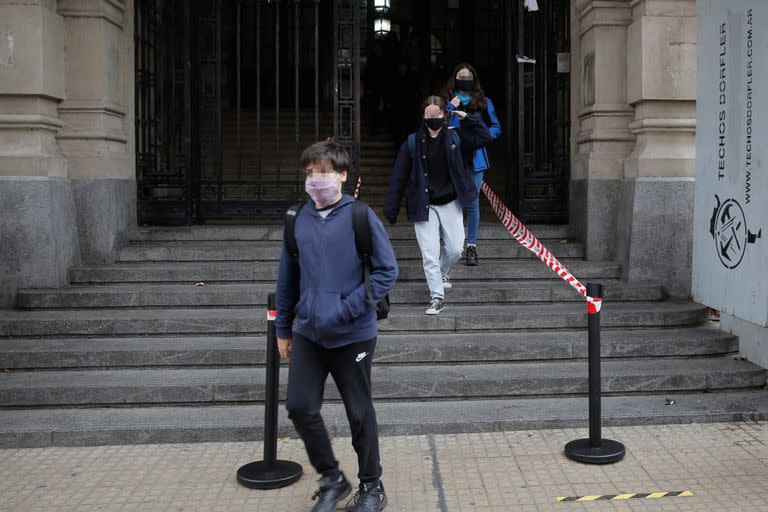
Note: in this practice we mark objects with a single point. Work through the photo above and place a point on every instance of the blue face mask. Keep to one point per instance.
(465, 99)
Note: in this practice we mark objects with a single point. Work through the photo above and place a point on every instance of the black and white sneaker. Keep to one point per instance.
(447, 285)
(471, 256)
(331, 492)
(369, 497)
(435, 306)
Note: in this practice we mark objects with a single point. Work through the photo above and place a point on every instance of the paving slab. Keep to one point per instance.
(721, 465)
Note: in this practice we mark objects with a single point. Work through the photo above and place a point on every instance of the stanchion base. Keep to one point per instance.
(607, 453)
(257, 475)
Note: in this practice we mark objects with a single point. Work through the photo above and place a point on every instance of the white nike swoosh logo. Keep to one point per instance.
(361, 356)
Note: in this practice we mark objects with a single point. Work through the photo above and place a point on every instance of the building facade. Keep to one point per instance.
(116, 113)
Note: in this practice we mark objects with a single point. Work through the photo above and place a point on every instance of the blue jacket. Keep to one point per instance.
(325, 293)
(410, 178)
(480, 159)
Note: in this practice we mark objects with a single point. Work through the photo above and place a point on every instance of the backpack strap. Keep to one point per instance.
(412, 145)
(363, 237)
(363, 242)
(454, 137)
(289, 231)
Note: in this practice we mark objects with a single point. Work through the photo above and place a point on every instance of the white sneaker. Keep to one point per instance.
(447, 285)
(435, 307)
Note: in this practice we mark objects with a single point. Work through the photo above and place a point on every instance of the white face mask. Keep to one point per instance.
(323, 189)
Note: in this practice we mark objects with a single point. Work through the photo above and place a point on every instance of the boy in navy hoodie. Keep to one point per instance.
(326, 324)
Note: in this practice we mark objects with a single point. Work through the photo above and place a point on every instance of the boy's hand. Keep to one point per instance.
(456, 101)
(284, 346)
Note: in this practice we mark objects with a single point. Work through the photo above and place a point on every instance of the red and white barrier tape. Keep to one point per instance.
(357, 187)
(530, 242)
(271, 314)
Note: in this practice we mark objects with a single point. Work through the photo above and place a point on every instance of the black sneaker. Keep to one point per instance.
(369, 498)
(331, 492)
(471, 256)
(435, 306)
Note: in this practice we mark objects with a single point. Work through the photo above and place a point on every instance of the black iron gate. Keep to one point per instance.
(538, 109)
(347, 37)
(228, 92)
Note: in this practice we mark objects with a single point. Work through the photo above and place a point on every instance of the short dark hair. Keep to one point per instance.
(329, 150)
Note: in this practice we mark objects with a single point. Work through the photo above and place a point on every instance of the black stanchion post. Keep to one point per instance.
(270, 473)
(595, 450)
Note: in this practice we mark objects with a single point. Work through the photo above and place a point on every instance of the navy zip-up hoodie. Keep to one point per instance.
(410, 178)
(323, 298)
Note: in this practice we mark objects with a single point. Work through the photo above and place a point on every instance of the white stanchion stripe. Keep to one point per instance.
(358, 186)
(527, 239)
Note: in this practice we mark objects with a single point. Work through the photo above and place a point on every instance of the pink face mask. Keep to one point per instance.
(323, 189)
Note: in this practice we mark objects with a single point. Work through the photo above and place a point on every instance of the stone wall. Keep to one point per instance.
(634, 136)
(67, 179)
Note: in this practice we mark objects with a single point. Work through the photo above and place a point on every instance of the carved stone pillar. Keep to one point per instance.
(38, 239)
(655, 229)
(602, 139)
(99, 85)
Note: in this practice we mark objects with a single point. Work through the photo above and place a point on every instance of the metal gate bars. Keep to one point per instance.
(228, 92)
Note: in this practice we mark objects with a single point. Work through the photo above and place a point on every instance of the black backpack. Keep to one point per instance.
(363, 242)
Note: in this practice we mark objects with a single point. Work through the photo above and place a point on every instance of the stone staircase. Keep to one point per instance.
(138, 352)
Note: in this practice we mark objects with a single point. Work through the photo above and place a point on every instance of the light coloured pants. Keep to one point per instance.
(447, 221)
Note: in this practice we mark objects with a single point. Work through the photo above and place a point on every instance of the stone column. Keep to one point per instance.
(602, 139)
(99, 97)
(655, 236)
(38, 239)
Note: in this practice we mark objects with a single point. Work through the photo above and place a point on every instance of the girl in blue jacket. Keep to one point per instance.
(432, 171)
(464, 92)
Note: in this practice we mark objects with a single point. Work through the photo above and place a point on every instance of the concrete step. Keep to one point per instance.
(380, 173)
(201, 351)
(401, 231)
(139, 425)
(374, 172)
(271, 250)
(287, 138)
(255, 294)
(402, 319)
(422, 382)
(287, 132)
(410, 270)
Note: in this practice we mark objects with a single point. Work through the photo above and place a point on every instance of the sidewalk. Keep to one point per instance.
(725, 466)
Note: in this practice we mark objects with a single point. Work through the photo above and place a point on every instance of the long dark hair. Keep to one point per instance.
(477, 102)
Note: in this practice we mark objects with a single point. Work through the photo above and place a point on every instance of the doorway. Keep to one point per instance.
(228, 92)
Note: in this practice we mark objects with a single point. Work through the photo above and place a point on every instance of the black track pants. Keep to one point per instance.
(350, 367)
